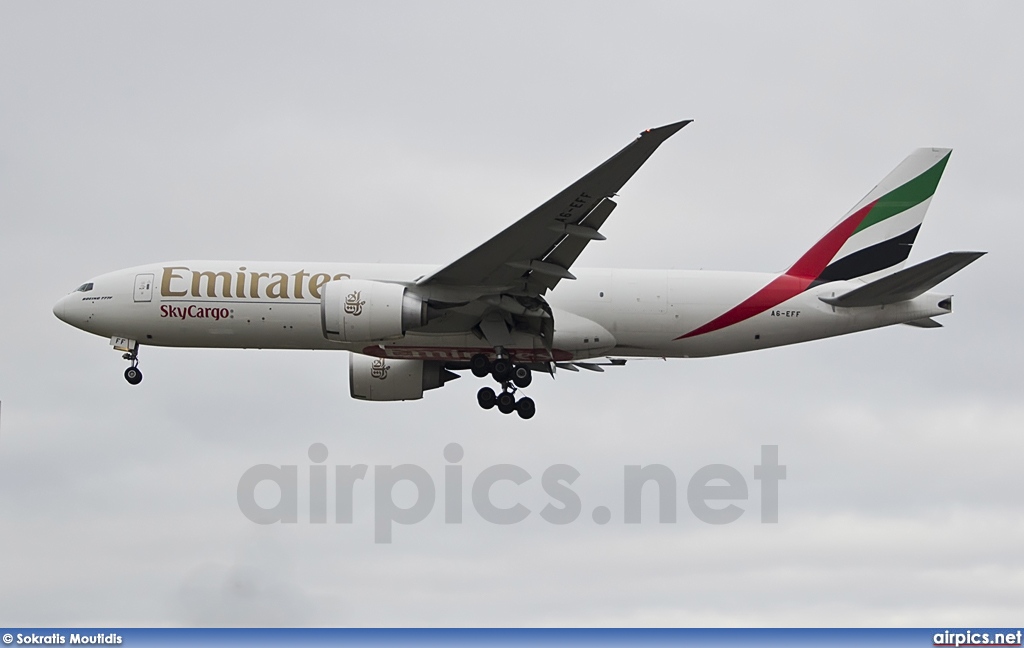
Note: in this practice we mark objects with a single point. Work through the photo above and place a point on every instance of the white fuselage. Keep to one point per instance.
(276, 305)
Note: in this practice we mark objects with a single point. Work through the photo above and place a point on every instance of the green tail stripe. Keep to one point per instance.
(906, 196)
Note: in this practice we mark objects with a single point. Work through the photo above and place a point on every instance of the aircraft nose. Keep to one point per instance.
(58, 308)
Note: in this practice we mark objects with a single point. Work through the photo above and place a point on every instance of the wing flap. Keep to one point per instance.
(567, 250)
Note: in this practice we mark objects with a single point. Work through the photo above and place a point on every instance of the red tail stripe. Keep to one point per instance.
(794, 281)
(811, 264)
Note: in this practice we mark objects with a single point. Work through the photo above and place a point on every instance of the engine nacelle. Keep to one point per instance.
(389, 379)
(355, 310)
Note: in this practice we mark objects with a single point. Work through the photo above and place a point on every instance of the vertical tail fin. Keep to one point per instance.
(875, 237)
(871, 241)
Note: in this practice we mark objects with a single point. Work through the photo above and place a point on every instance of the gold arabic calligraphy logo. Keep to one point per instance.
(353, 304)
(379, 368)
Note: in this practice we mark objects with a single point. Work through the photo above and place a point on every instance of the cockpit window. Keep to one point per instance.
(86, 287)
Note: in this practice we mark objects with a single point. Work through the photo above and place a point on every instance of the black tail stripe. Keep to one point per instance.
(871, 259)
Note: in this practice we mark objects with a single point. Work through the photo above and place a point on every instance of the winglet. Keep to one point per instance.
(665, 132)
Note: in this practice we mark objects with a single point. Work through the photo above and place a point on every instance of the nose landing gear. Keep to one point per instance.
(133, 374)
(131, 353)
(510, 377)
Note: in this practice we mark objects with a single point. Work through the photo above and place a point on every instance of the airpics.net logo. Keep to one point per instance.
(979, 638)
(714, 493)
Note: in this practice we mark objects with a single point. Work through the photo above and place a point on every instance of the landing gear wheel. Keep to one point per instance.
(486, 398)
(522, 376)
(500, 369)
(480, 365)
(506, 403)
(526, 408)
(133, 375)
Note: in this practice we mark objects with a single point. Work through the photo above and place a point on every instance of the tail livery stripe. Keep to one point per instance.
(909, 195)
(777, 291)
(873, 258)
(883, 239)
(794, 281)
(820, 264)
(815, 260)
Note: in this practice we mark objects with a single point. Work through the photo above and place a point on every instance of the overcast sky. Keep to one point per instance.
(133, 133)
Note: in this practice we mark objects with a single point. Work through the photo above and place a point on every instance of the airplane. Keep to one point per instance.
(511, 307)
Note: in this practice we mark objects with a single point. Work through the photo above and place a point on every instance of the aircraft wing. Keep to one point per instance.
(533, 254)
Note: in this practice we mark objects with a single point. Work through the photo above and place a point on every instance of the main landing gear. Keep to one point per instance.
(133, 374)
(511, 377)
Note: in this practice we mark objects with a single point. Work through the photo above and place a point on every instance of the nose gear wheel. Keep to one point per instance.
(133, 374)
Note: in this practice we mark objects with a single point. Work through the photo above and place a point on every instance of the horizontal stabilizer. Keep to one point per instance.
(926, 322)
(907, 283)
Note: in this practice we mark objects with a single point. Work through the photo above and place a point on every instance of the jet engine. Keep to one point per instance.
(354, 310)
(389, 379)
